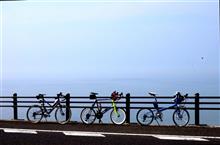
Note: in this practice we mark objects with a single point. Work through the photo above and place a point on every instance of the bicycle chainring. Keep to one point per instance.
(99, 115)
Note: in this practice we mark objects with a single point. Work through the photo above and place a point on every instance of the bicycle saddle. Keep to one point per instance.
(152, 93)
(93, 93)
(40, 96)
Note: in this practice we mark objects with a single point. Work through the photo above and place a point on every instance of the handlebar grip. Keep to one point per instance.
(59, 95)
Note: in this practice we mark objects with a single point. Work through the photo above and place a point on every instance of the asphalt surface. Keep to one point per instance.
(24, 133)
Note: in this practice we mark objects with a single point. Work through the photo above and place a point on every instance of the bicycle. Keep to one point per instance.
(180, 115)
(117, 115)
(35, 113)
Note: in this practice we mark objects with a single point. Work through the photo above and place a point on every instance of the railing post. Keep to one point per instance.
(197, 118)
(15, 106)
(128, 108)
(67, 106)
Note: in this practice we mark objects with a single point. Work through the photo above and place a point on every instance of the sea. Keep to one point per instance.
(136, 87)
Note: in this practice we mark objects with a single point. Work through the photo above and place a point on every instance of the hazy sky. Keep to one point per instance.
(80, 41)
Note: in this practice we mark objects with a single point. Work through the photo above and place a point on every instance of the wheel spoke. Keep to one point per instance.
(88, 116)
(61, 116)
(118, 117)
(181, 117)
(145, 116)
(34, 114)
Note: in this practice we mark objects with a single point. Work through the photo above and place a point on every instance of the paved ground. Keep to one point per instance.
(24, 133)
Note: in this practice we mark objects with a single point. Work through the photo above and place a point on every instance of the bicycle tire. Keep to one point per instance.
(88, 116)
(36, 112)
(119, 117)
(61, 116)
(143, 115)
(179, 115)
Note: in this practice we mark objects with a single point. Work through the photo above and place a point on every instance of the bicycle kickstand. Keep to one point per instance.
(45, 119)
(100, 121)
(157, 122)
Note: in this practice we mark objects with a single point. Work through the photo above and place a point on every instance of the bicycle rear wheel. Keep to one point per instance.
(118, 117)
(181, 117)
(145, 116)
(88, 115)
(34, 114)
(61, 114)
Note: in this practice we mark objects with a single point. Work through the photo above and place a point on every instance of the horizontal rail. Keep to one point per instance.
(81, 107)
(132, 97)
(87, 102)
(128, 103)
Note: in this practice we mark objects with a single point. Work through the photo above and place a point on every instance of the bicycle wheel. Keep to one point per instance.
(61, 114)
(88, 115)
(181, 117)
(118, 117)
(34, 114)
(145, 116)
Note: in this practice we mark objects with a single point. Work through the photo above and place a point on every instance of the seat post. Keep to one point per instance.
(155, 98)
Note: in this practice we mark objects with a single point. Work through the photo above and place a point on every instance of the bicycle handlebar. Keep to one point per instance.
(178, 98)
(59, 95)
(41, 96)
(116, 96)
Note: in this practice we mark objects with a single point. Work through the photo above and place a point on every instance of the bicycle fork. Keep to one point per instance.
(115, 108)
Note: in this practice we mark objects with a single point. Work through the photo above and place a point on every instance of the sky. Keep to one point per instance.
(138, 46)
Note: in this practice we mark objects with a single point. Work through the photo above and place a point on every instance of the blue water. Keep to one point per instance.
(137, 87)
(164, 86)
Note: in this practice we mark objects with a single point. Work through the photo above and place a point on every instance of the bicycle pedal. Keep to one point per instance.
(46, 115)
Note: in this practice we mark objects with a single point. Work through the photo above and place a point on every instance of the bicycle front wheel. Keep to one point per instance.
(145, 116)
(118, 117)
(61, 115)
(88, 115)
(34, 114)
(181, 117)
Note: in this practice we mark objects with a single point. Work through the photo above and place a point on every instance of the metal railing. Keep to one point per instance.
(128, 103)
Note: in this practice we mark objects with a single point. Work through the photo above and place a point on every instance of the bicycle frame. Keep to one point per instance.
(114, 108)
(180, 117)
(53, 106)
(166, 108)
(158, 111)
(99, 107)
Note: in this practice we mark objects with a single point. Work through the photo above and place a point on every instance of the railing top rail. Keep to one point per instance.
(132, 97)
(127, 102)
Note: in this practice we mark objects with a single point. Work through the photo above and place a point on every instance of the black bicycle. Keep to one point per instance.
(181, 116)
(117, 115)
(35, 113)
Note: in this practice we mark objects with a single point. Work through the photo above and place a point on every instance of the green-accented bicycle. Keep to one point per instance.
(90, 114)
